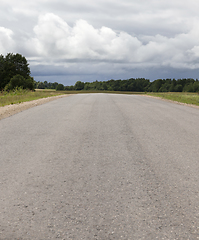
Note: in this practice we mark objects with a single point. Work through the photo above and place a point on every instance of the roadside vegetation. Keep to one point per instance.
(15, 72)
(16, 85)
(183, 97)
(23, 95)
(129, 85)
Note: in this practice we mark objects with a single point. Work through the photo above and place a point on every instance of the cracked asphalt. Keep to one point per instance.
(100, 166)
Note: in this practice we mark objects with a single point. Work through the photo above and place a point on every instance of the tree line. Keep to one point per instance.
(15, 72)
(140, 85)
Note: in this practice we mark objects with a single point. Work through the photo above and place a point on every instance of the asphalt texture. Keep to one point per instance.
(100, 166)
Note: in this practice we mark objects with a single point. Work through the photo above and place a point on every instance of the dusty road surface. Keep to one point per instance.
(12, 109)
(100, 166)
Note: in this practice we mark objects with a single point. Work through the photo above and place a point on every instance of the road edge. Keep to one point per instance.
(9, 110)
(176, 102)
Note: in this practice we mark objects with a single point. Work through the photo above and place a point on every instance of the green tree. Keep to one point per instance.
(2, 82)
(17, 64)
(188, 87)
(20, 81)
(178, 88)
(69, 88)
(104, 85)
(79, 85)
(29, 83)
(196, 86)
(87, 86)
(156, 85)
(54, 85)
(41, 85)
(60, 87)
(11, 65)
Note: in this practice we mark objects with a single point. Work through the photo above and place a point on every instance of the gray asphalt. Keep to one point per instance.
(100, 166)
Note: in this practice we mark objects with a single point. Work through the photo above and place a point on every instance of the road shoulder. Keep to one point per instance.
(167, 100)
(12, 109)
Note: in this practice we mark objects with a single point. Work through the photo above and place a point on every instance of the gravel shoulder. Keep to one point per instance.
(10, 110)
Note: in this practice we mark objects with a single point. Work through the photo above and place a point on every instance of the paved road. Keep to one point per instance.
(100, 166)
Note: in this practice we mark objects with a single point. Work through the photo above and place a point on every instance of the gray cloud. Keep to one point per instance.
(103, 39)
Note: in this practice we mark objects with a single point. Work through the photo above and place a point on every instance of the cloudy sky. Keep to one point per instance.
(87, 40)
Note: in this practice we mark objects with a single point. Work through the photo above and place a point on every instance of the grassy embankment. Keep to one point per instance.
(20, 96)
(183, 97)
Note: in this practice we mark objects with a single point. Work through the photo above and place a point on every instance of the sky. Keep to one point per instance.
(86, 40)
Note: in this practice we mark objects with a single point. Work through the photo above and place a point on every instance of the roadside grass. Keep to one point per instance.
(19, 96)
(183, 97)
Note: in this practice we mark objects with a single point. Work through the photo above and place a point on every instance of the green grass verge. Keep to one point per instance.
(24, 95)
(20, 96)
(183, 97)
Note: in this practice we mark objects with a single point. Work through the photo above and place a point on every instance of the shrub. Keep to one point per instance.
(60, 87)
(19, 81)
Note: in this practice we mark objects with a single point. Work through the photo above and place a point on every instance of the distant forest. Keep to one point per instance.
(15, 73)
(132, 84)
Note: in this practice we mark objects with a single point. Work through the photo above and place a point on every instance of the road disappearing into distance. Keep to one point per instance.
(100, 166)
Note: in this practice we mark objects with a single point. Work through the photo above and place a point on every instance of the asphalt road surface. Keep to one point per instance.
(100, 166)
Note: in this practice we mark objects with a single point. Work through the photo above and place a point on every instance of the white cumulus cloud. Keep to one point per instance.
(104, 36)
(6, 40)
(54, 38)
